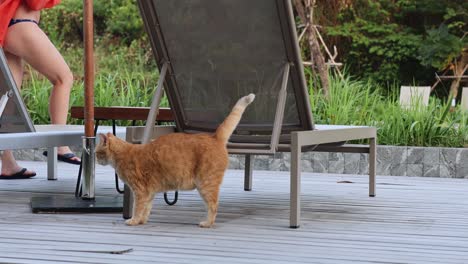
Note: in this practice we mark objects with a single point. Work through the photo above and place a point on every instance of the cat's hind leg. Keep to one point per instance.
(141, 208)
(210, 195)
(147, 210)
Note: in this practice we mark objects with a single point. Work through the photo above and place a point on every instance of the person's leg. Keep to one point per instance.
(29, 42)
(9, 165)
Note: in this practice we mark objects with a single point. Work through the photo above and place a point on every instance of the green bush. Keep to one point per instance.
(440, 48)
(404, 40)
(376, 49)
(116, 21)
(124, 20)
(64, 23)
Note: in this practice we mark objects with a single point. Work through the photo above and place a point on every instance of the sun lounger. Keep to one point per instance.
(414, 95)
(464, 99)
(212, 52)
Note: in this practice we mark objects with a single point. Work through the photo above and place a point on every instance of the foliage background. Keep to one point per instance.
(389, 41)
(402, 41)
(383, 44)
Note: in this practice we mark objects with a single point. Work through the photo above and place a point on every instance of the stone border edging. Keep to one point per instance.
(391, 160)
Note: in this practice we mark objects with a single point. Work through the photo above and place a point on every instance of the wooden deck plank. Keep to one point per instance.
(264, 248)
(412, 220)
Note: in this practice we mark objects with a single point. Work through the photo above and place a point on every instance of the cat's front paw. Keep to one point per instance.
(206, 224)
(132, 222)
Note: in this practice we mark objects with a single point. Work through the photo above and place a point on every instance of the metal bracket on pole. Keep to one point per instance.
(88, 166)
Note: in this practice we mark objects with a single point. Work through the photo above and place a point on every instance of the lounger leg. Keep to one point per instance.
(295, 192)
(127, 203)
(372, 166)
(52, 164)
(248, 173)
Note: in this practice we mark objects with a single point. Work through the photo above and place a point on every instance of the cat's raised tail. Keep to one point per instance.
(225, 130)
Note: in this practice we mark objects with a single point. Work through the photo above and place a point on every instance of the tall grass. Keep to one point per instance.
(124, 79)
(349, 103)
(418, 126)
(112, 89)
(353, 102)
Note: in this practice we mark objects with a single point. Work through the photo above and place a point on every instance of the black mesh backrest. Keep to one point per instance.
(15, 117)
(221, 50)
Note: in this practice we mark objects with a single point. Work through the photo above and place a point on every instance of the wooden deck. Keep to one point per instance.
(412, 220)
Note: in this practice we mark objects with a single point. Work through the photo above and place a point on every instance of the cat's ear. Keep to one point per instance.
(103, 138)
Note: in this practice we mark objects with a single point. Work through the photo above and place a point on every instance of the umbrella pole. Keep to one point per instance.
(89, 140)
(87, 202)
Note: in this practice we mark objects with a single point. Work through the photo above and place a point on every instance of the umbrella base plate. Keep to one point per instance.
(56, 204)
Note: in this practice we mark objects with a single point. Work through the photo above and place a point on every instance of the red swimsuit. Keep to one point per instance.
(8, 9)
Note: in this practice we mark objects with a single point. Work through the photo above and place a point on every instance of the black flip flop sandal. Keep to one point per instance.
(68, 158)
(17, 176)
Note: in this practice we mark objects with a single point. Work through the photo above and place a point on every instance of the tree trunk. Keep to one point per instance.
(319, 60)
(305, 10)
(458, 71)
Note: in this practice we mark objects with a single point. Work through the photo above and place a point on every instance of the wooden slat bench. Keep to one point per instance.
(114, 113)
(123, 113)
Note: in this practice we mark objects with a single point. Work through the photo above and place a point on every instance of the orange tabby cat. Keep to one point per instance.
(176, 161)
